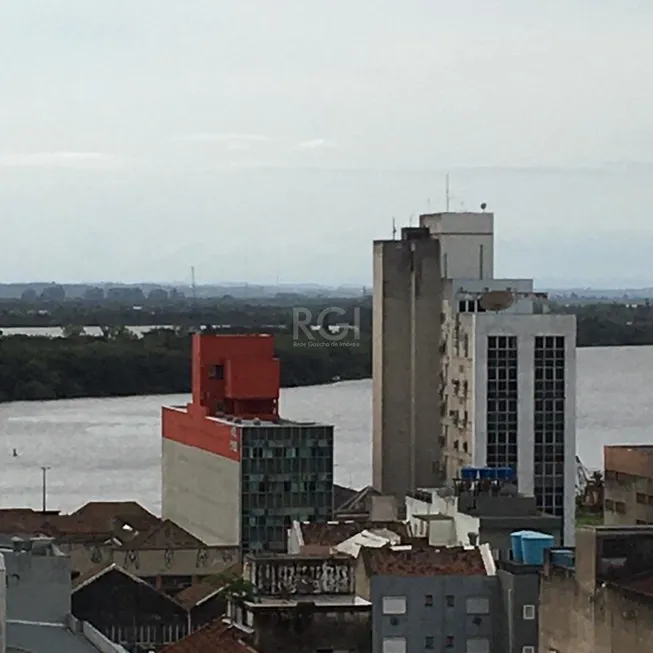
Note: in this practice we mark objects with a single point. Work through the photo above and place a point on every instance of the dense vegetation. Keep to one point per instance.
(608, 325)
(118, 363)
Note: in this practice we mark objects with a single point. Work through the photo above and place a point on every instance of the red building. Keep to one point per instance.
(233, 471)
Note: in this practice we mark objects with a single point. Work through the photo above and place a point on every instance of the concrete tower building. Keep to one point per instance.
(234, 472)
(509, 370)
(406, 362)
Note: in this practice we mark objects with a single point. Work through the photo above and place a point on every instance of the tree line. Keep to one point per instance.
(118, 363)
(121, 364)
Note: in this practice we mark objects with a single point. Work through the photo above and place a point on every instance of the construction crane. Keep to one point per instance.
(589, 488)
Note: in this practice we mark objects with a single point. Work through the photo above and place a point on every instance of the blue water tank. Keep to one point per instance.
(563, 558)
(505, 473)
(468, 473)
(487, 473)
(516, 545)
(533, 547)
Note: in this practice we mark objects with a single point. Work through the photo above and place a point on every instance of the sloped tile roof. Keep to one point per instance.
(165, 535)
(424, 561)
(333, 533)
(216, 637)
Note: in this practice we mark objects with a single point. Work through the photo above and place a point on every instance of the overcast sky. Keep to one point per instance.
(275, 139)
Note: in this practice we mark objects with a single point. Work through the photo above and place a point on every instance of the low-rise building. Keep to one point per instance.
(477, 512)
(628, 485)
(102, 533)
(130, 611)
(302, 604)
(431, 599)
(35, 598)
(599, 598)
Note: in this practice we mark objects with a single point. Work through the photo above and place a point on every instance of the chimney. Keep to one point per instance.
(3, 605)
(384, 508)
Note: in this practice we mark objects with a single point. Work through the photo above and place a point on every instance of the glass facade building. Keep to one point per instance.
(286, 475)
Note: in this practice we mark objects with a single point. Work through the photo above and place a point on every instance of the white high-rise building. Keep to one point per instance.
(508, 383)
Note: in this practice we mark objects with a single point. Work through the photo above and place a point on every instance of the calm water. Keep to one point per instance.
(106, 449)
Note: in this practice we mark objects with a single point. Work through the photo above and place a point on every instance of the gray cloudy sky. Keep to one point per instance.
(265, 139)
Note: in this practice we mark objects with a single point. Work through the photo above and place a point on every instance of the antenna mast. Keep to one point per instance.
(394, 229)
(447, 195)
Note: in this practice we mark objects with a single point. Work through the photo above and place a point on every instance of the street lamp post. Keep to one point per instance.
(44, 471)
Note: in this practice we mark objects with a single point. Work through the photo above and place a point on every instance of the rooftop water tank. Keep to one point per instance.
(468, 473)
(533, 547)
(516, 545)
(505, 473)
(563, 558)
(487, 473)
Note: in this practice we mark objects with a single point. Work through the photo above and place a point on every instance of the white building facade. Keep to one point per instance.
(508, 383)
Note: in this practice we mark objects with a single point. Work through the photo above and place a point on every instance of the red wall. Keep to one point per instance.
(194, 429)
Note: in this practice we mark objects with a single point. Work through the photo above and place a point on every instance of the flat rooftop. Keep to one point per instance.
(229, 420)
(319, 600)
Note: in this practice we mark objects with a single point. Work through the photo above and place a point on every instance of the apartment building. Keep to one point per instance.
(429, 599)
(508, 370)
(628, 485)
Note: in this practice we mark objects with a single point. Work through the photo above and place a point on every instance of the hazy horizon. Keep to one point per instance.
(268, 141)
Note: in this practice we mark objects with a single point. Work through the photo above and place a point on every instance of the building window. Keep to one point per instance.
(428, 600)
(527, 649)
(478, 645)
(449, 641)
(480, 605)
(549, 415)
(620, 507)
(609, 505)
(394, 605)
(217, 372)
(449, 600)
(641, 498)
(394, 645)
(529, 612)
(501, 402)
(429, 642)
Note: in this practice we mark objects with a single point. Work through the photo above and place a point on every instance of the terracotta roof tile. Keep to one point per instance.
(216, 637)
(165, 535)
(333, 533)
(107, 512)
(424, 561)
(195, 593)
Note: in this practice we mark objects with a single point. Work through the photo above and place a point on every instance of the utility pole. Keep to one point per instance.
(44, 471)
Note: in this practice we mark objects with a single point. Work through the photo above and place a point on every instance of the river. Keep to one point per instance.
(109, 449)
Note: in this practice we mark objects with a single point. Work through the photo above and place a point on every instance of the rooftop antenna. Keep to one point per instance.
(447, 194)
(394, 229)
(410, 220)
(44, 487)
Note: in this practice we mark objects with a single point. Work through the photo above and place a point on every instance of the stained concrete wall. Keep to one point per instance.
(201, 493)
(38, 586)
(606, 620)
(202, 561)
(406, 365)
